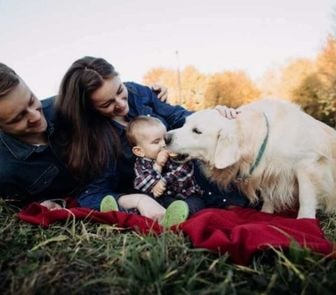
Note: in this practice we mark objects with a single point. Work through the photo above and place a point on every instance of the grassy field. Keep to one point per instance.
(85, 258)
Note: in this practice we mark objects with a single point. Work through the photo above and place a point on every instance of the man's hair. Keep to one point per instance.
(8, 79)
(137, 124)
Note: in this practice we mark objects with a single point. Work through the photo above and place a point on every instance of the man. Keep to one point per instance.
(30, 169)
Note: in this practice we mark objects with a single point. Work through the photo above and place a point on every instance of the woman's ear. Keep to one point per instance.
(138, 151)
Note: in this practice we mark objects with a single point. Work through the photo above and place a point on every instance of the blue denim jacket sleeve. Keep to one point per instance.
(146, 100)
(175, 115)
(106, 184)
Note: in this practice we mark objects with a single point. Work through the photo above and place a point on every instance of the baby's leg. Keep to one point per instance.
(146, 205)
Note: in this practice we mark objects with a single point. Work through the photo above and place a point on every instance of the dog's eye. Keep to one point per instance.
(195, 130)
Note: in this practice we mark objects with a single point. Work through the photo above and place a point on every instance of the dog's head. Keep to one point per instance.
(208, 136)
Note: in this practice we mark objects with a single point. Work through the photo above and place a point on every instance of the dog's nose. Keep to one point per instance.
(168, 138)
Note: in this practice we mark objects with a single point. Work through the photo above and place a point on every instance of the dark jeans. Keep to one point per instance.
(215, 197)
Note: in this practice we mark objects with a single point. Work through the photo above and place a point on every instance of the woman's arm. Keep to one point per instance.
(93, 192)
(174, 115)
(145, 97)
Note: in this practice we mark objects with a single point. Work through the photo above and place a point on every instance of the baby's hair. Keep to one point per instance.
(137, 124)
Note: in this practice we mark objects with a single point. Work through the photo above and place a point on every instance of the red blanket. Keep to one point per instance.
(239, 232)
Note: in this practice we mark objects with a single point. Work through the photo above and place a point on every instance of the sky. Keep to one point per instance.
(40, 39)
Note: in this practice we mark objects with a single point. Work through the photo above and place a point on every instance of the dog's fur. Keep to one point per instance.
(298, 166)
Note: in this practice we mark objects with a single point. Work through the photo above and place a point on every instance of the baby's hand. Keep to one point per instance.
(162, 158)
(159, 188)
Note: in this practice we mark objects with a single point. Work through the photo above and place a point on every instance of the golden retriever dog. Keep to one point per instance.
(272, 150)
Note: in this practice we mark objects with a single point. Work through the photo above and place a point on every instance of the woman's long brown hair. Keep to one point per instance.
(87, 138)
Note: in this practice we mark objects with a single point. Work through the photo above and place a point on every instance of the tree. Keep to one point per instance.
(293, 75)
(199, 91)
(282, 82)
(317, 92)
(193, 85)
(230, 88)
(166, 77)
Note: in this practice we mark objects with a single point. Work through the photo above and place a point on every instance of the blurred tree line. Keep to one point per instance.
(309, 83)
(197, 91)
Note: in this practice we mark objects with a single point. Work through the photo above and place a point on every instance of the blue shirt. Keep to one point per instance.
(33, 173)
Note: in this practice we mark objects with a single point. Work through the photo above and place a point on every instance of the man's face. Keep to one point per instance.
(21, 113)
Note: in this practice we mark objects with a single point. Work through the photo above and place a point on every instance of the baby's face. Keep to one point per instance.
(152, 141)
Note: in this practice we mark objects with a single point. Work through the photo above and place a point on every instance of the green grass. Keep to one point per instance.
(85, 258)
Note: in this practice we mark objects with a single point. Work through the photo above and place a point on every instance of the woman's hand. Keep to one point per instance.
(161, 91)
(50, 205)
(227, 112)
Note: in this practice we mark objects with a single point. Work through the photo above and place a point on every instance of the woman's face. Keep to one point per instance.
(111, 99)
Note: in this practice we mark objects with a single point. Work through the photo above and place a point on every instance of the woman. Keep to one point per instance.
(92, 110)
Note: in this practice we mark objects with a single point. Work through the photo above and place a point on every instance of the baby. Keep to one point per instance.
(156, 172)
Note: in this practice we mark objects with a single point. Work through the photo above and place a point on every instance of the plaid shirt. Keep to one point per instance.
(178, 177)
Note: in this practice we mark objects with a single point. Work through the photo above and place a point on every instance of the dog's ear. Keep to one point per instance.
(227, 149)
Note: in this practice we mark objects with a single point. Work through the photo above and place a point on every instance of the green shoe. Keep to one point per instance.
(176, 213)
(108, 203)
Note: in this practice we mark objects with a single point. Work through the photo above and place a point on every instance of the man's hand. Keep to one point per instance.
(158, 189)
(227, 112)
(161, 91)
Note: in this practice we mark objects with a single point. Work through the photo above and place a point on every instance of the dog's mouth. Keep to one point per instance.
(180, 158)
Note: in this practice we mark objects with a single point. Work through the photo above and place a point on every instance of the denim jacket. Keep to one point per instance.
(118, 178)
(33, 173)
